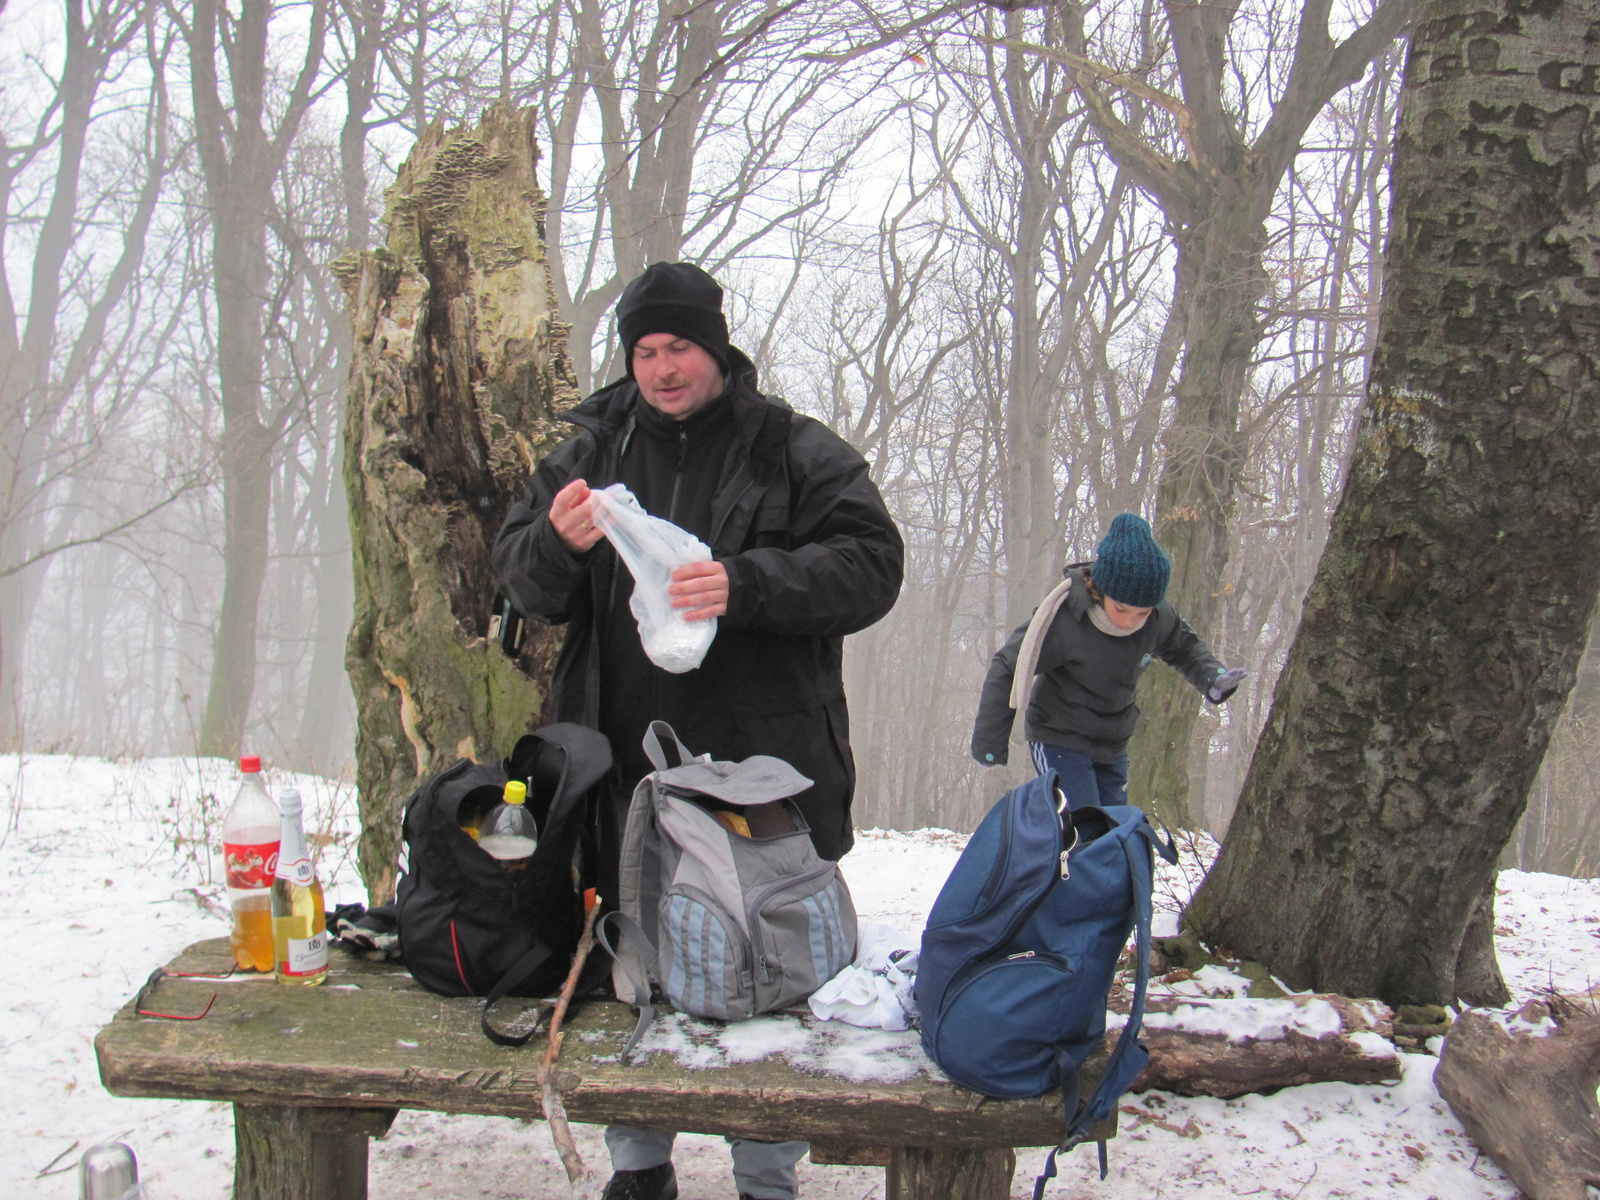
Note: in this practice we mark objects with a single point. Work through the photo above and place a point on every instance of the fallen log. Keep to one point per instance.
(1524, 1091)
(1231, 1047)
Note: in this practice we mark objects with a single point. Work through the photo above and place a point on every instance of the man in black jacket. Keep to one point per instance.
(803, 553)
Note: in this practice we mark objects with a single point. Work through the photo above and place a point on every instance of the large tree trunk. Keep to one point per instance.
(460, 373)
(1443, 631)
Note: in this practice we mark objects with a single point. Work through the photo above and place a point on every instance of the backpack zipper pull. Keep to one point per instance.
(1014, 957)
(1070, 837)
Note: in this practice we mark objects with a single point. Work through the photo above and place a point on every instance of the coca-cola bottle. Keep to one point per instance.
(299, 928)
(250, 858)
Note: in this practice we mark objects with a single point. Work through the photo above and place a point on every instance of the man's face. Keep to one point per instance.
(1126, 616)
(676, 376)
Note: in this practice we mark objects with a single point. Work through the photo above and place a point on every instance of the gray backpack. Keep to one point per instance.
(727, 924)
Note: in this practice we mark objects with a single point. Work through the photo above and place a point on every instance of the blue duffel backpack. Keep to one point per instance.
(1021, 948)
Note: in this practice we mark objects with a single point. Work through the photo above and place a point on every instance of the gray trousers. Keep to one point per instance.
(763, 1170)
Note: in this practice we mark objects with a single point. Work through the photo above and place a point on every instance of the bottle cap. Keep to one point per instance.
(516, 792)
(250, 764)
(289, 802)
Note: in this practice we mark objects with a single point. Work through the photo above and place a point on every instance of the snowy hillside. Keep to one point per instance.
(106, 870)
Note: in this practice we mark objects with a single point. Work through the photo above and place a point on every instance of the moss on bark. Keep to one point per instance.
(460, 375)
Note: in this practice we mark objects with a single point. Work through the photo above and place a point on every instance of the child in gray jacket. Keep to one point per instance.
(1074, 666)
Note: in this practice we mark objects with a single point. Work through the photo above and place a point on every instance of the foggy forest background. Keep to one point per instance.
(925, 245)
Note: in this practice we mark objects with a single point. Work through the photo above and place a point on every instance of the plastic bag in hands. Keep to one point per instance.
(653, 550)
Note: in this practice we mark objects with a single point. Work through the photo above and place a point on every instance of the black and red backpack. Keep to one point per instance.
(465, 927)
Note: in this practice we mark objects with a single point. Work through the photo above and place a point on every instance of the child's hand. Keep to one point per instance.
(1226, 684)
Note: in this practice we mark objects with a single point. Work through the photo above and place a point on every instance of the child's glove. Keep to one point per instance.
(990, 758)
(1225, 684)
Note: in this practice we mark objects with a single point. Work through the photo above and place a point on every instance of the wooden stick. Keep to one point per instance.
(585, 1186)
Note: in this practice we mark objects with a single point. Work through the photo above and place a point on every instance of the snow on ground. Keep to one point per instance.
(106, 870)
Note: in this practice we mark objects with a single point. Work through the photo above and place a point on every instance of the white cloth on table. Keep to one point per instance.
(875, 990)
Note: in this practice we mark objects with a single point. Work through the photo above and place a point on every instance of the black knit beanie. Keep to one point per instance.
(676, 298)
(1130, 567)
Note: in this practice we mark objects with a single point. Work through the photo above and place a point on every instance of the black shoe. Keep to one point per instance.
(652, 1183)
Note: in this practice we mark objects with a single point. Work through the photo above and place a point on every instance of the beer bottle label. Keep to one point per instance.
(307, 956)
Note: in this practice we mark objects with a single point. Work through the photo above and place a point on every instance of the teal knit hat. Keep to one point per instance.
(1129, 566)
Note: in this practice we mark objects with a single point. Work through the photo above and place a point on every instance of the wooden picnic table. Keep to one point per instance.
(312, 1073)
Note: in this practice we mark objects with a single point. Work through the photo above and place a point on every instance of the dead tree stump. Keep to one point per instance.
(1528, 1099)
(459, 373)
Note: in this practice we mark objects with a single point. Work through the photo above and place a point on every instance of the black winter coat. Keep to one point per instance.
(812, 555)
(1083, 692)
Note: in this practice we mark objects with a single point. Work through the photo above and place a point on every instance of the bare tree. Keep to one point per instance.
(242, 146)
(674, 132)
(58, 389)
(1021, 209)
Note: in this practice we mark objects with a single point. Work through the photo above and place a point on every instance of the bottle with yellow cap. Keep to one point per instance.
(509, 832)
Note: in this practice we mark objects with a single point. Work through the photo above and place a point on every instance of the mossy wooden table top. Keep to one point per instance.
(372, 1038)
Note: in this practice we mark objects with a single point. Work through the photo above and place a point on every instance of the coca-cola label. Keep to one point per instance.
(250, 867)
(299, 871)
(306, 956)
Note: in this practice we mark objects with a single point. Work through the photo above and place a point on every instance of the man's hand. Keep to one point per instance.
(1225, 684)
(573, 519)
(702, 588)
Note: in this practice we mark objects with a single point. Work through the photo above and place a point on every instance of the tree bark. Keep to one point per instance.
(1443, 631)
(1528, 1099)
(460, 376)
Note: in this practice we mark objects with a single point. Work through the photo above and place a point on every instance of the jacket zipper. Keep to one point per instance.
(677, 474)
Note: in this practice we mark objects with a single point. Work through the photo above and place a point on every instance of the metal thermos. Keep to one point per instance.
(108, 1171)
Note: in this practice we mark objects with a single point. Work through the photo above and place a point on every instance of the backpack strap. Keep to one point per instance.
(1162, 845)
(654, 752)
(636, 961)
(520, 970)
(1129, 1056)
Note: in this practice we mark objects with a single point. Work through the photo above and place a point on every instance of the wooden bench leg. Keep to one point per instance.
(284, 1152)
(948, 1173)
